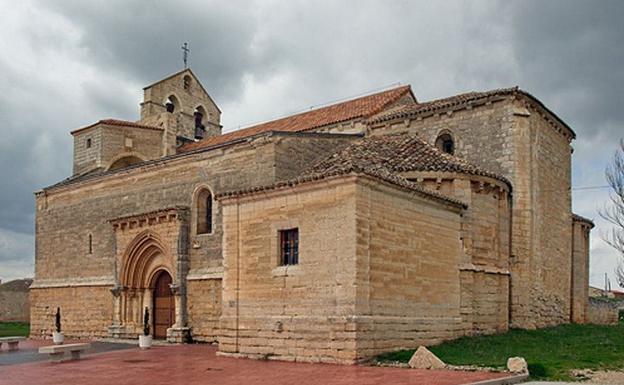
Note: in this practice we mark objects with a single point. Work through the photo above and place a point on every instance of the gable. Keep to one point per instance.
(174, 84)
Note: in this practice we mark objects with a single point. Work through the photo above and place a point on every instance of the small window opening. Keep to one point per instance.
(204, 212)
(445, 143)
(90, 244)
(187, 82)
(88, 142)
(289, 247)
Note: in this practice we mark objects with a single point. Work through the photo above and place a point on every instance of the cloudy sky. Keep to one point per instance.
(68, 63)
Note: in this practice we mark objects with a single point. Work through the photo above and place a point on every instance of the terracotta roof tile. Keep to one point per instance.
(397, 153)
(578, 218)
(384, 158)
(363, 107)
(379, 174)
(117, 122)
(418, 109)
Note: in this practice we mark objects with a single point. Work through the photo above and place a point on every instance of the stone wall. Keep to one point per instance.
(295, 152)
(67, 216)
(484, 258)
(378, 270)
(111, 143)
(63, 229)
(580, 270)
(518, 139)
(204, 308)
(295, 312)
(408, 255)
(14, 301)
(542, 203)
(86, 311)
(188, 99)
(602, 312)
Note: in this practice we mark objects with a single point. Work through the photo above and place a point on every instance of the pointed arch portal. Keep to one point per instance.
(150, 273)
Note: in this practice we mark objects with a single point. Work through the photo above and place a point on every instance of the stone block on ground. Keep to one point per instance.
(424, 359)
(517, 365)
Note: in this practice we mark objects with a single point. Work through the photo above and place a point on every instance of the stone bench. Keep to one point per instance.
(12, 341)
(56, 352)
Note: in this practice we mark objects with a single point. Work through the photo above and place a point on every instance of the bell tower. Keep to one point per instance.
(182, 107)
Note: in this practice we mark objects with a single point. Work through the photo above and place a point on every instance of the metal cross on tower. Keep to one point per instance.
(185, 50)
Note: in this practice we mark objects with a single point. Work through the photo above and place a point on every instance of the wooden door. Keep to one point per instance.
(164, 306)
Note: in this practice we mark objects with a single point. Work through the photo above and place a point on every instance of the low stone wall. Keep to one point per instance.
(602, 312)
(14, 301)
(14, 306)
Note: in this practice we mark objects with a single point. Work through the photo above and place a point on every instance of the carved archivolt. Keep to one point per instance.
(143, 258)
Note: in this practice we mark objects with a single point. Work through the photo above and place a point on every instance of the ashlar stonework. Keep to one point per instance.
(374, 224)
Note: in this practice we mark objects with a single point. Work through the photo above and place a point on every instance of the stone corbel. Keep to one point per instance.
(176, 289)
(117, 290)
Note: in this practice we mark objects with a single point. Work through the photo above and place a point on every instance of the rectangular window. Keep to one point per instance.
(89, 143)
(289, 247)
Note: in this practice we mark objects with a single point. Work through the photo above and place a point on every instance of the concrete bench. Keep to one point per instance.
(12, 341)
(56, 352)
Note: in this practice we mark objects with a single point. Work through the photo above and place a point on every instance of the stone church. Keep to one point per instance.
(332, 235)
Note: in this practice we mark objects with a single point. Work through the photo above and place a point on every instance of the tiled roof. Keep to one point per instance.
(363, 107)
(578, 218)
(438, 104)
(418, 109)
(383, 157)
(117, 122)
(379, 174)
(398, 153)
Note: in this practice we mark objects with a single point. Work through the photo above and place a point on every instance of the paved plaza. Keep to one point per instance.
(121, 364)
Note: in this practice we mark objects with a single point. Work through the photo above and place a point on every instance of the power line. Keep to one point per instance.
(590, 187)
(324, 104)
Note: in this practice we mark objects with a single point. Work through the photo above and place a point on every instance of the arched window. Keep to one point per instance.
(172, 104)
(204, 212)
(445, 143)
(186, 82)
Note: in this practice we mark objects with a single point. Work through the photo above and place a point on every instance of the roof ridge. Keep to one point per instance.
(117, 122)
(381, 174)
(324, 106)
(359, 107)
(397, 153)
(440, 103)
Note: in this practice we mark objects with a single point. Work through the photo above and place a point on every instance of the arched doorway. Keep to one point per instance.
(163, 304)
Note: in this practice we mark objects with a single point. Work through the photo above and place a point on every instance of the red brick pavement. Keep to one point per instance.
(198, 364)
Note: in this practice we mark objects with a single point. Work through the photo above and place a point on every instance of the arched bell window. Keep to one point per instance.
(200, 114)
(204, 212)
(445, 143)
(172, 104)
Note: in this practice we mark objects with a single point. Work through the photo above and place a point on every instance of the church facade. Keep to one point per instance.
(370, 225)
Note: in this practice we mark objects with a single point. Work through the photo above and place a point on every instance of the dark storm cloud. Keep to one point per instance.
(570, 54)
(142, 39)
(67, 63)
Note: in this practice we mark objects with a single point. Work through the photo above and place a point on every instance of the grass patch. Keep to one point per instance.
(10, 329)
(551, 352)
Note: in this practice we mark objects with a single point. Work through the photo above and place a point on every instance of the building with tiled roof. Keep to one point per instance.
(368, 225)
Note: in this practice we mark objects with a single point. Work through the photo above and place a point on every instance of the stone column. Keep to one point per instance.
(117, 329)
(179, 332)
